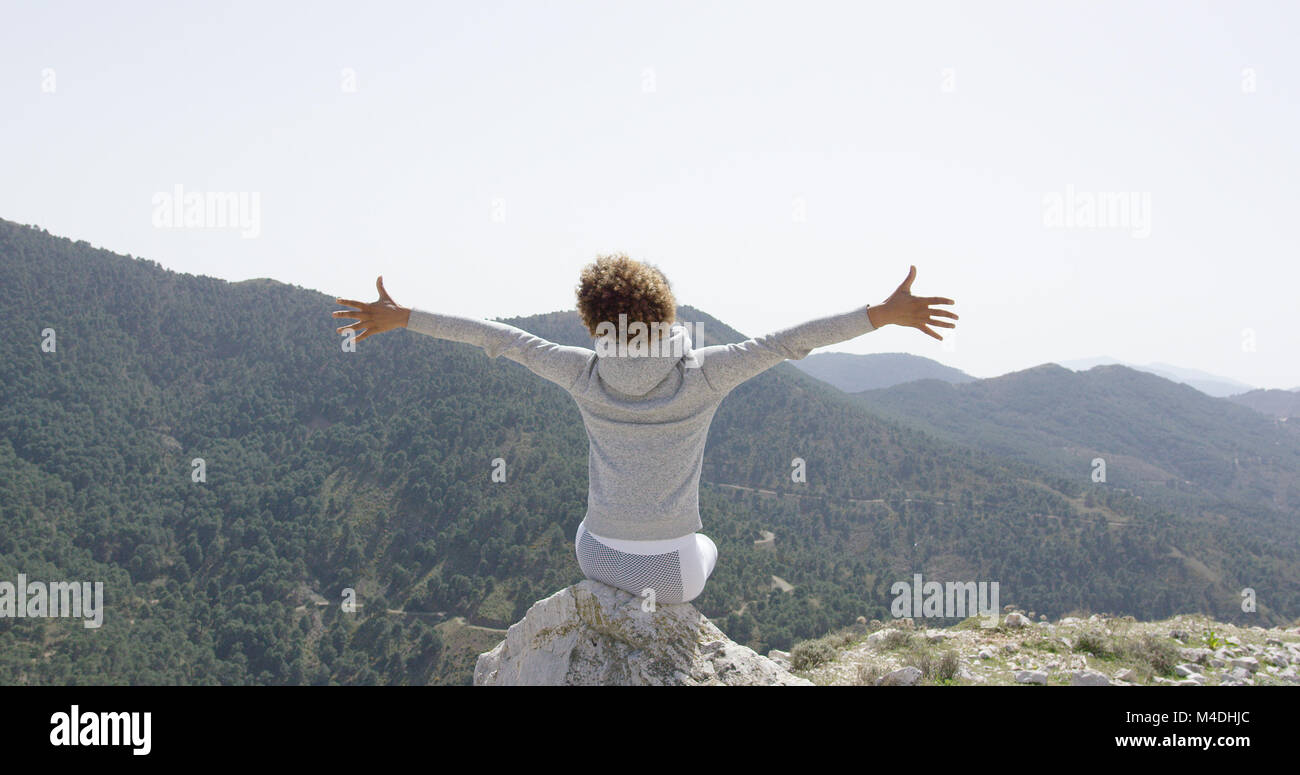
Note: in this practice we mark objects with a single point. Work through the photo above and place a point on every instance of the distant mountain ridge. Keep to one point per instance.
(854, 373)
(1207, 383)
(1159, 438)
(1282, 404)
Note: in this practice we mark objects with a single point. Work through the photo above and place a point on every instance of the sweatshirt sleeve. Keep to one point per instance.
(558, 363)
(725, 366)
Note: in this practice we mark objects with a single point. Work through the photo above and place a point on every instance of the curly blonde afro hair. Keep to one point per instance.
(615, 284)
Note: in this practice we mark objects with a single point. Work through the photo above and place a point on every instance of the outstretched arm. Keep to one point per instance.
(726, 366)
(560, 364)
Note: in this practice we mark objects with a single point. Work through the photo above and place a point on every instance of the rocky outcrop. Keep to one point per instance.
(1101, 650)
(592, 634)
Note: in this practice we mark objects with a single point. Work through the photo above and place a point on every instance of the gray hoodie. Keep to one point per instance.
(647, 416)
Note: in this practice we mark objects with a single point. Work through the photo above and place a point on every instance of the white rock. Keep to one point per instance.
(1088, 677)
(1031, 677)
(967, 675)
(1249, 663)
(1187, 669)
(904, 676)
(1015, 620)
(879, 636)
(1127, 674)
(780, 657)
(591, 634)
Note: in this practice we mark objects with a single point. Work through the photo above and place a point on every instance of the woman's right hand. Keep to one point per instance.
(375, 318)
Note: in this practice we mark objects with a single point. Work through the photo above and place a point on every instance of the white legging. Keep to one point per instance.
(675, 569)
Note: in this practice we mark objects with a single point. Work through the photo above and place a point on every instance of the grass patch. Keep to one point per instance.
(811, 653)
(1043, 644)
(1155, 654)
(1096, 643)
(867, 675)
(897, 639)
(939, 666)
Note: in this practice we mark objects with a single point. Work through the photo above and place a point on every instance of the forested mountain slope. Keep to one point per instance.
(371, 471)
(854, 373)
(1161, 439)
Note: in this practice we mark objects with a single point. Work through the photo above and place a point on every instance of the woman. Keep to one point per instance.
(647, 397)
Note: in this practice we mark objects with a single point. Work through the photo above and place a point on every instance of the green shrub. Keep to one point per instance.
(941, 666)
(811, 653)
(1095, 642)
(946, 667)
(867, 675)
(897, 639)
(1160, 654)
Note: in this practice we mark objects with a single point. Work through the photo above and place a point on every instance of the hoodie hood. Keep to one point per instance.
(637, 375)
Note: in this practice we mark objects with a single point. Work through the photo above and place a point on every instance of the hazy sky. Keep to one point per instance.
(778, 161)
